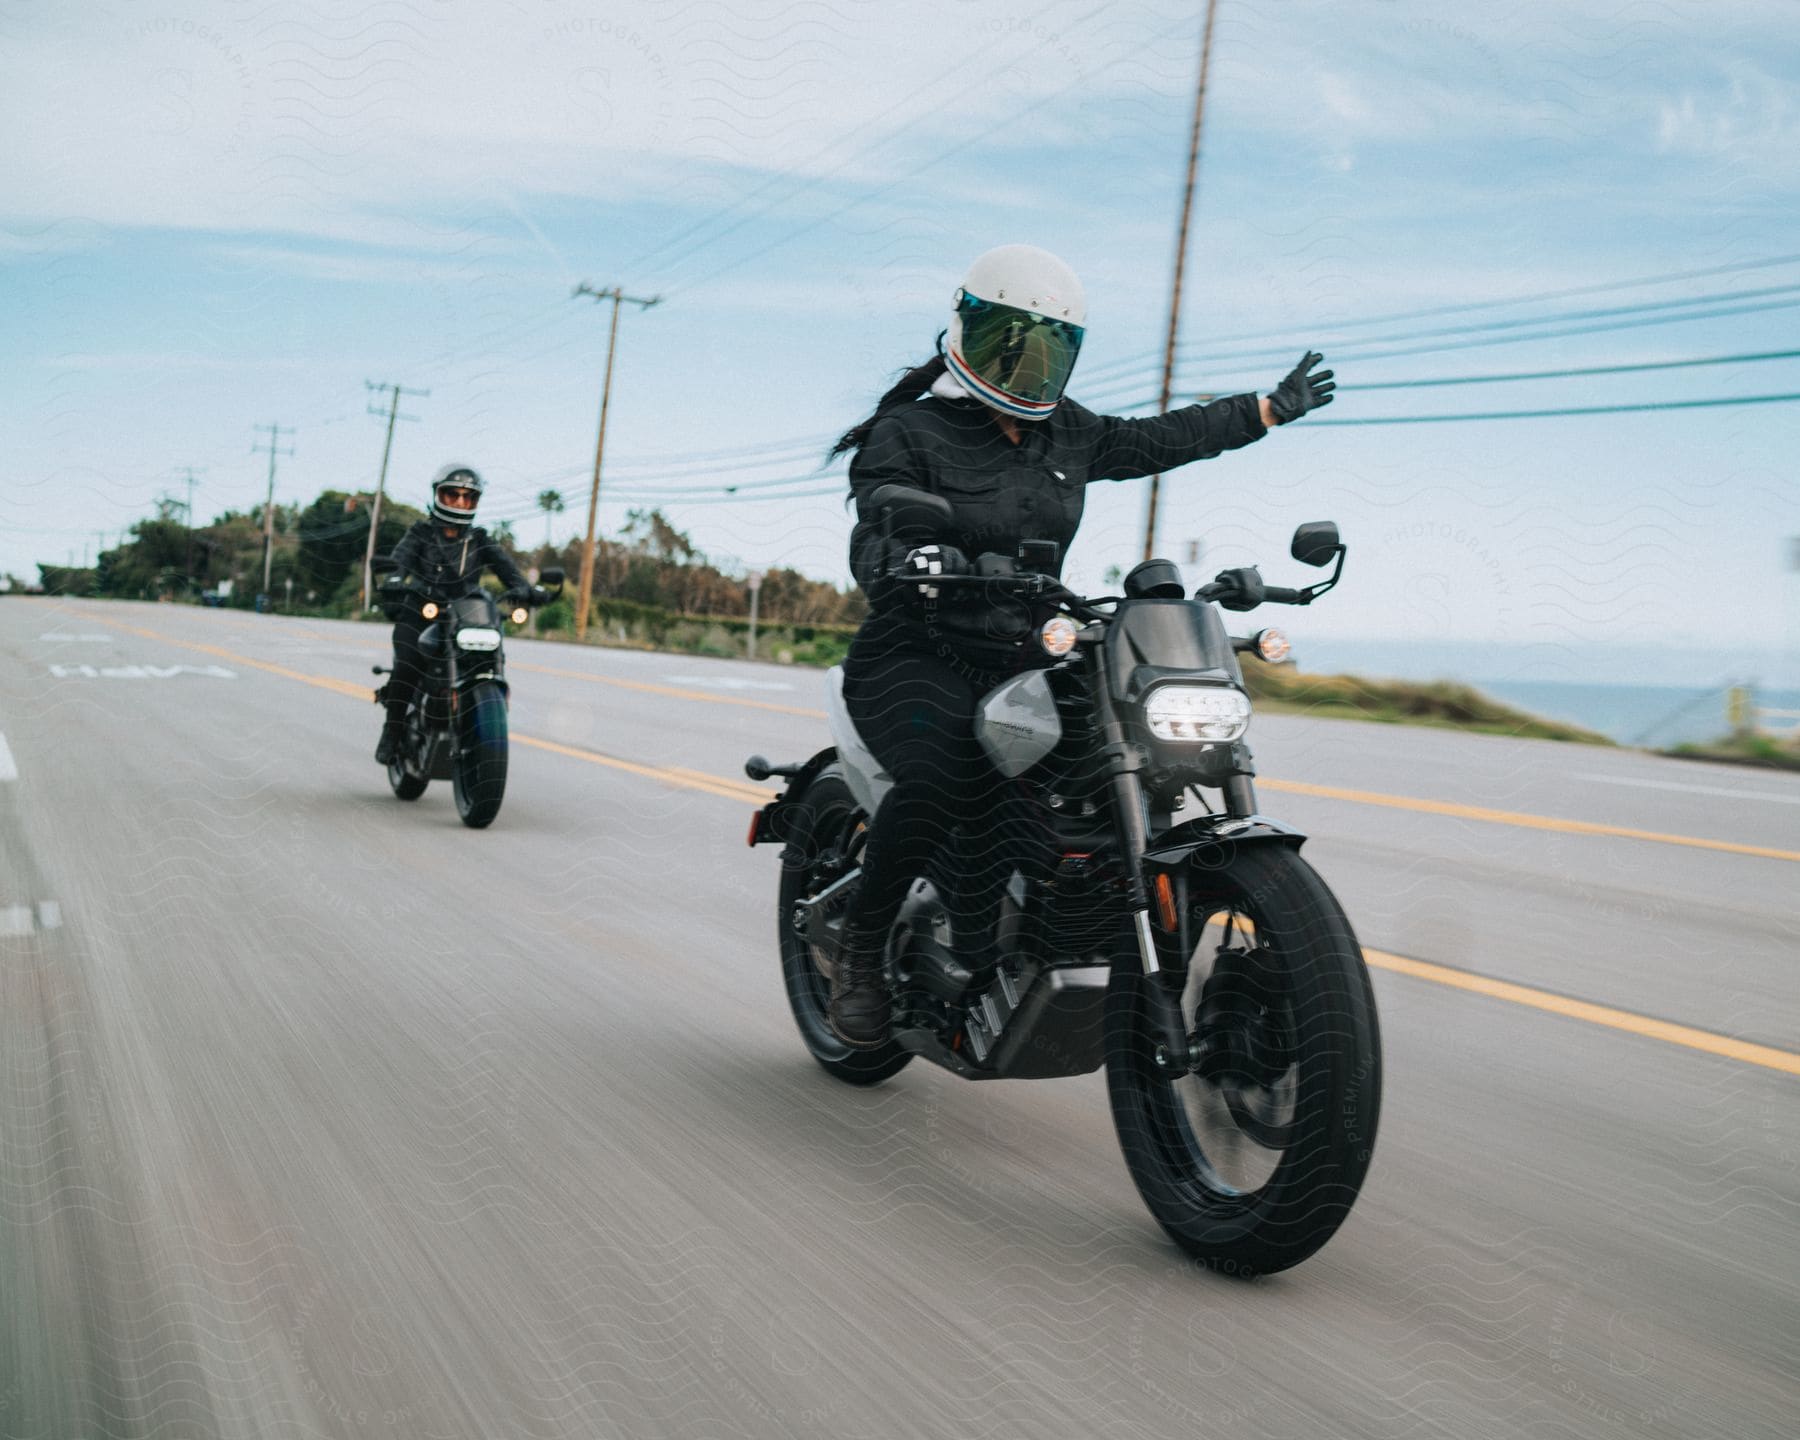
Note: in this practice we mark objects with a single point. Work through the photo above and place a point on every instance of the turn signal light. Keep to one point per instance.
(1058, 635)
(1165, 902)
(518, 615)
(1273, 646)
(429, 610)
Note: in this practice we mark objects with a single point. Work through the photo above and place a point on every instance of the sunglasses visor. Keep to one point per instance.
(1029, 356)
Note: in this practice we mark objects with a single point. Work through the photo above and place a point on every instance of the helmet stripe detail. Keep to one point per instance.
(992, 395)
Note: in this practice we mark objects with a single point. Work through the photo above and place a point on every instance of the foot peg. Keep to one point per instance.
(758, 768)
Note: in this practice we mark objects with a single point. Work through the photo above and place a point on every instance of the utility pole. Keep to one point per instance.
(275, 434)
(756, 579)
(1181, 244)
(393, 414)
(618, 297)
(188, 564)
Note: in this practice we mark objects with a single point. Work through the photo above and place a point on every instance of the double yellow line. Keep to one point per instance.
(1706, 1041)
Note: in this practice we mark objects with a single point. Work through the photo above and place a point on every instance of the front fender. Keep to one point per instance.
(769, 825)
(1205, 833)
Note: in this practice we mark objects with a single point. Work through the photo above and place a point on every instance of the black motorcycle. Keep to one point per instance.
(1183, 944)
(456, 720)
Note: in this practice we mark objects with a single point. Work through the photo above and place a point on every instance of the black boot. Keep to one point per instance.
(389, 745)
(859, 1011)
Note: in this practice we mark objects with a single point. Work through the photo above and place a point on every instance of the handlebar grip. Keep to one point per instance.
(1281, 595)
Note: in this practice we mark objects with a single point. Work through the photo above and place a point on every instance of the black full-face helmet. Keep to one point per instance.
(455, 492)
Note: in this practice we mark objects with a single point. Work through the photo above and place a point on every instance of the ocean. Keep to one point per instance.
(1652, 715)
(1618, 694)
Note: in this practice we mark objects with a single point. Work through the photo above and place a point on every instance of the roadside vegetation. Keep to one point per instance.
(1764, 750)
(653, 590)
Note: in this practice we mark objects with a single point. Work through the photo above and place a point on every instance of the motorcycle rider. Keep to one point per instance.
(446, 555)
(985, 425)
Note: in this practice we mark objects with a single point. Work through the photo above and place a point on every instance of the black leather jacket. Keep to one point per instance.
(1004, 494)
(450, 567)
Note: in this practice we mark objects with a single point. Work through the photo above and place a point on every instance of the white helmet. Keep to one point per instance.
(455, 492)
(1016, 330)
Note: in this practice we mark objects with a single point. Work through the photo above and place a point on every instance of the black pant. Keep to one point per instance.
(915, 709)
(409, 668)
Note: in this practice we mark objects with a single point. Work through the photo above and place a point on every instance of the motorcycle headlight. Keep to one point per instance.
(478, 637)
(1203, 714)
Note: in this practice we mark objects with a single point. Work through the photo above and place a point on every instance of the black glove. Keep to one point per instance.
(932, 560)
(539, 595)
(1301, 391)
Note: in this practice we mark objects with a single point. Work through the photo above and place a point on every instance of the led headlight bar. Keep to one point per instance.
(478, 637)
(1203, 714)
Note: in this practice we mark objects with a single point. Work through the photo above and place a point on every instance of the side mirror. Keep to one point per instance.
(552, 576)
(383, 565)
(906, 510)
(1316, 542)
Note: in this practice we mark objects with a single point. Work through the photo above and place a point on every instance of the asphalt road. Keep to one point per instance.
(321, 1115)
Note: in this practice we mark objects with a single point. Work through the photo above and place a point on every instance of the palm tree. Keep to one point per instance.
(551, 503)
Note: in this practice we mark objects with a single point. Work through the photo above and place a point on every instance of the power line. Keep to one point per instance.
(804, 182)
(1570, 410)
(1109, 395)
(1573, 373)
(1615, 318)
(775, 483)
(1464, 307)
(976, 136)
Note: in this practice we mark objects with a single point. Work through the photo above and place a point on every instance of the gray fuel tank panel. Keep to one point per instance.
(1017, 723)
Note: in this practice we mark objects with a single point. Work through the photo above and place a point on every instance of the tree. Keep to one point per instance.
(551, 503)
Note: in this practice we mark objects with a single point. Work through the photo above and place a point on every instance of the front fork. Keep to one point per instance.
(1173, 1051)
(1123, 761)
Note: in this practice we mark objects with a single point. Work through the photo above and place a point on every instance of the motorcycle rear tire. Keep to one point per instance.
(827, 827)
(479, 780)
(1336, 1047)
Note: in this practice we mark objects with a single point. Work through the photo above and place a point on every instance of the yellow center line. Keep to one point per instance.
(1766, 1056)
(649, 688)
(1454, 809)
(669, 775)
(1527, 822)
(743, 792)
(739, 790)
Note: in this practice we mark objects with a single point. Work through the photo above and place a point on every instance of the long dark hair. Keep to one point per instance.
(909, 387)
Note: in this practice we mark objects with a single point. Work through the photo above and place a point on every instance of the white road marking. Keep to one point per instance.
(15, 920)
(8, 770)
(57, 638)
(1778, 798)
(49, 915)
(139, 672)
(709, 682)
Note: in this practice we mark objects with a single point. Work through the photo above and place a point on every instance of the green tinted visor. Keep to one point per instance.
(1028, 356)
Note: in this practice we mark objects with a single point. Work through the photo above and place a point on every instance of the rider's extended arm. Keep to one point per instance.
(1121, 449)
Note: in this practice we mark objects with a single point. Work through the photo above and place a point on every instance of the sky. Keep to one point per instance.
(219, 216)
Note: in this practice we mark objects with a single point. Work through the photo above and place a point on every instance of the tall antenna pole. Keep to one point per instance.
(188, 565)
(275, 434)
(387, 447)
(586, 591)
(1181, 245)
